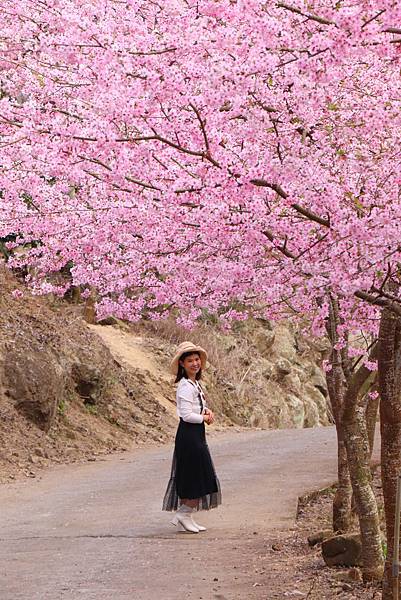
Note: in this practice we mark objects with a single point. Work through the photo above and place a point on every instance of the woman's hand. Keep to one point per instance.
(208, 416)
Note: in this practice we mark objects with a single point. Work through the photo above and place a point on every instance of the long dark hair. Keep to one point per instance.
(182, 372)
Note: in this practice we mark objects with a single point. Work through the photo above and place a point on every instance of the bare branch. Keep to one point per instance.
(159, 138)
(153, 52)
(376, 16)
(395, 30)
(202, 126)
(377, 301)
(148, 186)
(282, 249)
(300, 209)
(310, 16)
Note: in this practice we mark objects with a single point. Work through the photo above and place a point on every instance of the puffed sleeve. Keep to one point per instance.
(185, 404)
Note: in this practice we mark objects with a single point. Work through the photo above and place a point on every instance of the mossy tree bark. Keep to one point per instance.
(358, 452)
(348, 390)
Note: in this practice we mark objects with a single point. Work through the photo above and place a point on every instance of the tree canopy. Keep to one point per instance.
(197, 154)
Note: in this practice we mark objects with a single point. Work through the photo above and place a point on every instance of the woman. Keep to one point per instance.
(193, 483)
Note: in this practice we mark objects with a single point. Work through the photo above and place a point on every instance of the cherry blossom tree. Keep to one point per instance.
(238, 156)
(146, 144)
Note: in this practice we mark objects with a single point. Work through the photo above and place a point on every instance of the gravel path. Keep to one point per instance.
(95, 531)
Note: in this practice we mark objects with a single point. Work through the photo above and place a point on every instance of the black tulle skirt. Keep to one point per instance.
(192, 472)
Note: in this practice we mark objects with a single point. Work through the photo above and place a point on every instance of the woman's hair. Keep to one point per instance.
(181, 371)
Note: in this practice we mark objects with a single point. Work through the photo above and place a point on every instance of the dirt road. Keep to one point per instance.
(95, 531)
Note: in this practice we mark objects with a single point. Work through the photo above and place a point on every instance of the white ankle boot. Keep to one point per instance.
(184, 517)
(200, 527)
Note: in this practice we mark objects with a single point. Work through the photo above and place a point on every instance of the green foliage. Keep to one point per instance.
(62, 407)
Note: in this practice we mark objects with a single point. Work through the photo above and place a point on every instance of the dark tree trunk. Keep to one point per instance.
(372, 409)
(335, 378)
(389, 368)
(342, 514)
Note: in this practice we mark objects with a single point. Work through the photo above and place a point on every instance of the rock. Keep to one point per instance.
(110, 320)
(318, 380)
(257, 418)
(321, 345)
(343, 550)
(34, 380)
(293, 383)
(314, 396)
(277, 547)
(265, 367)
(319, 537)
(88, 382)
(283, 366)
(312, 417)
(228, 343)
(296, 409)
(284, 343)
(304, 370)
(264, 341)
(353, 574)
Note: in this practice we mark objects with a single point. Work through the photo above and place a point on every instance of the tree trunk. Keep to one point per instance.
(389, 364)
(347, 392)
(342, 514)
(371, 420)
(366, 505)
(358, 452)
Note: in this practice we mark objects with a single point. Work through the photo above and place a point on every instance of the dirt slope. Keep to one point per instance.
(63, 396)
(135, 354)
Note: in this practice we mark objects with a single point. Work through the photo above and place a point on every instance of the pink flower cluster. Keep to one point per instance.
(199, 155)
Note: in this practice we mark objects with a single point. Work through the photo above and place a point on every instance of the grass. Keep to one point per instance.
(91, 408)
(62, 407)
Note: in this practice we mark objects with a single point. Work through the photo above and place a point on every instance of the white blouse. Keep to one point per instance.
(190, 398)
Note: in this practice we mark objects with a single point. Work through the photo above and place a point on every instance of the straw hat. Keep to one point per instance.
(187, 347)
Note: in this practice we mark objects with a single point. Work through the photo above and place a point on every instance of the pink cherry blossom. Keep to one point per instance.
(225, 156)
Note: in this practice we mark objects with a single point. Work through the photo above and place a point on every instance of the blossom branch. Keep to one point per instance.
(310, 16)
(283, 249)
(202, 126)
(392, 305)
(300, 209)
